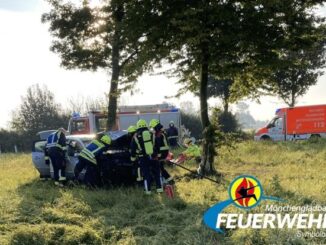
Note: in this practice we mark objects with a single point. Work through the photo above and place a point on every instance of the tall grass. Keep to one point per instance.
(36, 212)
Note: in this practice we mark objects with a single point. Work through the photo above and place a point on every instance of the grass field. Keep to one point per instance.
(36, 212)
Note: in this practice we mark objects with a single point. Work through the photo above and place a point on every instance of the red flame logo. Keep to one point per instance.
(247, 186)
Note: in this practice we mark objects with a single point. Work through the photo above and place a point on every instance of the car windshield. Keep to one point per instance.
(100, 122)
(272, 122)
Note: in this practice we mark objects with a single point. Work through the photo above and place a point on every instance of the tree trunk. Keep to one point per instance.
(113, 94)
(206, 165)
(293, 98)
(226, 106)
(226, 99)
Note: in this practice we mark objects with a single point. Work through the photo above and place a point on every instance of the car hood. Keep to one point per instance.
(120, 139)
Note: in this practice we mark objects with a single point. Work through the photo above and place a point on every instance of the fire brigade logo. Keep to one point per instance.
(246, 192)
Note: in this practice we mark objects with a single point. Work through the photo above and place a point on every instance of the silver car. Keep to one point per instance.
(117, 168)
(75, 143)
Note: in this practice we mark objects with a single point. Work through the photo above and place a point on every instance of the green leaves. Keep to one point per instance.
(38, 111)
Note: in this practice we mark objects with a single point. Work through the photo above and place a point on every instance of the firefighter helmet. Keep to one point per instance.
(132, 129)
(141, 124)
(153, 123)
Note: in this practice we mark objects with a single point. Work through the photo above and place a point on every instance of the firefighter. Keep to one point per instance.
(142, 147)
(55, 150)
(172, 133)
(161, 148)
(131, 133)
(90, 158)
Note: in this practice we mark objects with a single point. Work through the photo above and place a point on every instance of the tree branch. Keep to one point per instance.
(131, 56)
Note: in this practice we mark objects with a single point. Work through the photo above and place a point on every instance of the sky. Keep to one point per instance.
(25, 59)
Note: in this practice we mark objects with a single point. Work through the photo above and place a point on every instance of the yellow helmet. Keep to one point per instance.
(106, 139)
(132, 129)
(153, 123)
(141, 124)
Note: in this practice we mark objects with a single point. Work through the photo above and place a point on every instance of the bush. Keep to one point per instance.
(8, 140)
(193, 123)
(228, 122)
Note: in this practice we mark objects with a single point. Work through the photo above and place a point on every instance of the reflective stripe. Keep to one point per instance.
(90, 155)
(165, 147)
(56, 145)
(83, 155)
(139, 176)
(138, 145)
(46, 158)
(133, 159)
(51, 145)
(172, 137)
(145, 185)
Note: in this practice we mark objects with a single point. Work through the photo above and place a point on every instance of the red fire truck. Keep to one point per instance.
(95, 121)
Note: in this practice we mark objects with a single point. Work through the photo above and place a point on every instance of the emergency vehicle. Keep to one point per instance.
(95, 121)
(295, 123)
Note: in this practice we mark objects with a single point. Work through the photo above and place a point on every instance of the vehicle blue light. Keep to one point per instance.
(75, 115)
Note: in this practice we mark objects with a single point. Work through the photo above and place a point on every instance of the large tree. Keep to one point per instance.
(240, 40)
(100, 37)
(294, 79)
(38, 111)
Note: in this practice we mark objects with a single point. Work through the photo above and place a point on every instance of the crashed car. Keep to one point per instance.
(116, 167)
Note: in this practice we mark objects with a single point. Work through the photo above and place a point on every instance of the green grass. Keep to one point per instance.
(36, 212)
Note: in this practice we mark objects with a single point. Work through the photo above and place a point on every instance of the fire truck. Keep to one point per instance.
(95, 121)
(295, 123)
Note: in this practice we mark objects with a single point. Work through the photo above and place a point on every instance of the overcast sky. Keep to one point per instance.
(25, 59)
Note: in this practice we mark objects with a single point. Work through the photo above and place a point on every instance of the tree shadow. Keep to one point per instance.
(51, 215)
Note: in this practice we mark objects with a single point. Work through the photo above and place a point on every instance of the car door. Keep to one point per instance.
(38, 158)
(74, 147)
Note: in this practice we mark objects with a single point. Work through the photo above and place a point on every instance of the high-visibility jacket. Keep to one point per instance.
(192, 151)
(142, 144)
(161, 146)
(56, 139)
(93, 150)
